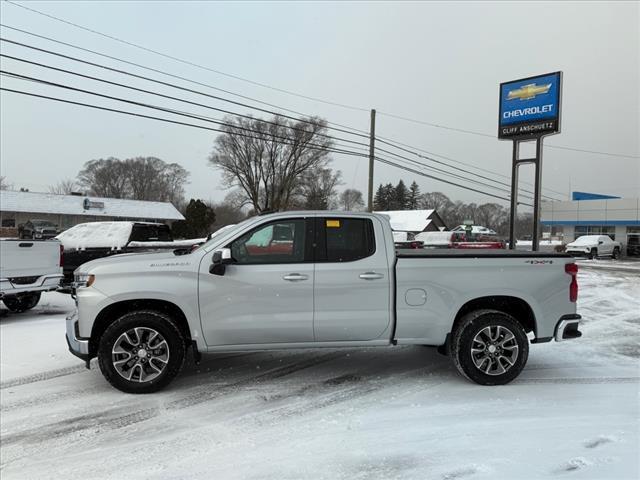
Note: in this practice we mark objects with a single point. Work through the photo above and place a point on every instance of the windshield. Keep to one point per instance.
(586, 240)
(42, 223)
(215, 237)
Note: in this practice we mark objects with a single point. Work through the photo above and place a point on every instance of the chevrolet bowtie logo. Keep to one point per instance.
(527, 92)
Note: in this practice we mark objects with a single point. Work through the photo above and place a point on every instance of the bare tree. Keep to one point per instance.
(105, 178)
(266, 160)
(434, 201)
(317, 189)
(351, 200)
(141, 178)
(66, 186)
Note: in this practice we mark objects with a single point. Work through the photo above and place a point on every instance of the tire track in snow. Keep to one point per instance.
(40, 377)
(111, 419)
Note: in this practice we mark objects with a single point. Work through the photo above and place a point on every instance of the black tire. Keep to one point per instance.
(593, 254)
(616, 253)
(471, 328)
(22, 301)
(144, 320)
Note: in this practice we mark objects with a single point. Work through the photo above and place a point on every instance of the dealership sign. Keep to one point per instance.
(89, 204)
(530, 107)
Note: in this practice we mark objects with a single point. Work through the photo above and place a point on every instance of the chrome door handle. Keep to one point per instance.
(371, 276)
(295, 277)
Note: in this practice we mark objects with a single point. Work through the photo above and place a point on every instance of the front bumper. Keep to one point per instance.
(567, 328)
(77, 345)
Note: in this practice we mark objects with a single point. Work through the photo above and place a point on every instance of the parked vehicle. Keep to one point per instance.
(28, 268)
(476, 230)
(38, 230)
(440, 239)
(593, 246)
(340, 283)
(89, 241)
(458, 239)
(633, 245)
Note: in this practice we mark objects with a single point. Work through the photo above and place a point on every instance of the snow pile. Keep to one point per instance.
(435, 238)
(400, 236)
(114, 235)
(545, 245)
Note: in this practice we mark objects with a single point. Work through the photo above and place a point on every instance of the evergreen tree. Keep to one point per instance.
(198, 220)
(399, 197)
(379, 199)
(413, 196)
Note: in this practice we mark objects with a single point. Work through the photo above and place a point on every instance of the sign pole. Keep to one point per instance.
(514, 196)
(535, 246)
(529, 109)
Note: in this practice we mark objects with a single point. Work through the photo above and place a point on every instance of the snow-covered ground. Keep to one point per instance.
(379, 413)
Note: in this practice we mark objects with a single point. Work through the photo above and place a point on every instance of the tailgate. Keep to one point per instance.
(29, 258)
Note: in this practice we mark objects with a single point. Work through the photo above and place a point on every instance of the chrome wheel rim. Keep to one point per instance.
(494, 350)
(140, 354)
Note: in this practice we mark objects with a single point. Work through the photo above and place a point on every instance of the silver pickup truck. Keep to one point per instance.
(318, 279)
(28, 268)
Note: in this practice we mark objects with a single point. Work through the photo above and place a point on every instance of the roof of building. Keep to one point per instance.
(33, 202)
(409, 220)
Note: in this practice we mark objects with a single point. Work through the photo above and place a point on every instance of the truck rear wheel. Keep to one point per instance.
(489, 347)
(141, 352)
(22, 301)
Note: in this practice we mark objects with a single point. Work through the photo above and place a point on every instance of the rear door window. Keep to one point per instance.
(344, 239)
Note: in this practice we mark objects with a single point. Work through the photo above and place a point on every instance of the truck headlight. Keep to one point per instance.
(83, 280)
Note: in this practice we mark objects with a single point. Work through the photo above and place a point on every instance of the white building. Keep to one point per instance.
(617, 217)
(407, 223)
(68, 210)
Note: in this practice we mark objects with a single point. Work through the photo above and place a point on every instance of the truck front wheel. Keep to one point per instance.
(141, 352)
(489, 347)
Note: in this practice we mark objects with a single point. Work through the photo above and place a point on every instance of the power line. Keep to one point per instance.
(150, 92)
(217, 109)
(444, 172)
(451, 166)
(216, 121)
(124, 72)
(395, 143)
(482, 134)
(417, 172)
(166, 120)
(187, 62)
(185, 79)
(154, 107)
(202, 127)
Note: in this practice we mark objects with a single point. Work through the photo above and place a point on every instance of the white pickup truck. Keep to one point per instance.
(28, 268)
(318, 279)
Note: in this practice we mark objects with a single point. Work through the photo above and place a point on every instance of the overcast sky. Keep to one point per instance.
(439, 63)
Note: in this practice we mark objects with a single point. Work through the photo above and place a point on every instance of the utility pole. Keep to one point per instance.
(372, 146)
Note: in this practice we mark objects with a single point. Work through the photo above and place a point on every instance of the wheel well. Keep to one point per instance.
(111, 313)
(516, 307)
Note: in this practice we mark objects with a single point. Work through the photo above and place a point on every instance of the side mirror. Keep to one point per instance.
(221, 258)
(600, 242)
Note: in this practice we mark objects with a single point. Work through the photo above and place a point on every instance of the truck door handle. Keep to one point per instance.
(371, 276)
(295, 277)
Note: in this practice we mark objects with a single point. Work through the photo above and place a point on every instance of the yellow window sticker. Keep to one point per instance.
(333, 223)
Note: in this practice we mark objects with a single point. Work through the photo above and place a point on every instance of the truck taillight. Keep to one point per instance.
(61, 256)
(572, 269)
